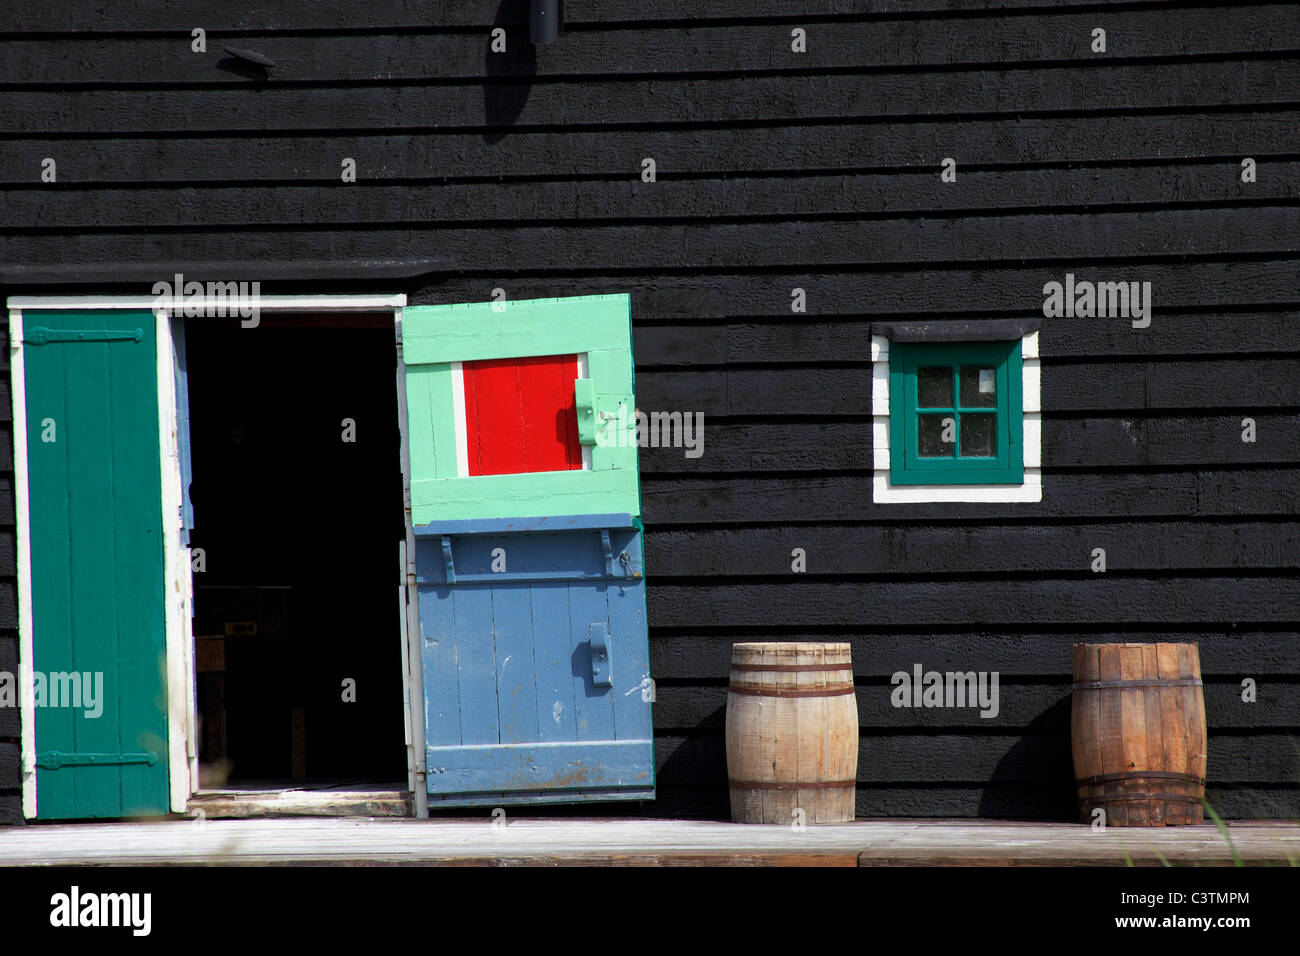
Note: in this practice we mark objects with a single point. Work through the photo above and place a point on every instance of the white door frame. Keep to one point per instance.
(181, 694)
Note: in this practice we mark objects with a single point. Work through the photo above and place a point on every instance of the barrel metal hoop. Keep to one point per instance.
(757, 691)
(1145, 682)
(791, 785)
(1132, 774)
(792, 668)
(1138, 798)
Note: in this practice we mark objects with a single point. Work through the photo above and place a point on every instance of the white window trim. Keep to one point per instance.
(883, 491)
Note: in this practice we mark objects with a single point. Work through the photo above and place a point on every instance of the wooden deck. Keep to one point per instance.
(370, 842)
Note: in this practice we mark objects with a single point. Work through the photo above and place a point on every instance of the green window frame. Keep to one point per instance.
(929, 435)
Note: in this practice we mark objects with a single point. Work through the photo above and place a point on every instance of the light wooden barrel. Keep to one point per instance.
(1137, 725)
(792, 733)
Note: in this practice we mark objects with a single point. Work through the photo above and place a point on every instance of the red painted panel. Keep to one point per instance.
(520, 415)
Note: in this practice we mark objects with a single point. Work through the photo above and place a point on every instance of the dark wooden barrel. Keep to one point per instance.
(1138, 729)
(792, 733)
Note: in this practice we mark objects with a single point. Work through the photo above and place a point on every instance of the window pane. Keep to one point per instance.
(935, 436)
(978, 435)
(978, 387)
(934, 386)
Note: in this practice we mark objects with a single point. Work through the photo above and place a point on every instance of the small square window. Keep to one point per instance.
(955, 413)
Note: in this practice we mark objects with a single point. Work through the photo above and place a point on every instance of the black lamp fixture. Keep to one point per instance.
(544, 18)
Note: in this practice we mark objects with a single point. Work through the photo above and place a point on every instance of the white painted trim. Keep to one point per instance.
(458, 418)
(1029, 346)
(175, 558)
(584, 371)
(883, 491)
(400, 376)
(331, 303)
(1030, 385)
(191, 680)
(406, 665)
(23, 542)
(1032, 439)
(412, 660)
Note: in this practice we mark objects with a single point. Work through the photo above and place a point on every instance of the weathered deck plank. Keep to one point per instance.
(370, 842)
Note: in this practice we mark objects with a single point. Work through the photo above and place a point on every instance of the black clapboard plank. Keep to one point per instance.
(7, 519)
(846, 445)
(1026, 651)
(10, 726)
(981, 759)
(1110, 597)
(10, 775)
(1209, 383)
(1212, 333)
(1247, 492)
(671, 48)
(931, 291)
(764, 99)
(1074, 240)
(1019, 705)
(7, 552)
(993, 548)
(806, 339)
(302, 15)
(832, 146)
(850, 197)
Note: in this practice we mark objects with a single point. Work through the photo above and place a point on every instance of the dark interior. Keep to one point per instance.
(300, 532)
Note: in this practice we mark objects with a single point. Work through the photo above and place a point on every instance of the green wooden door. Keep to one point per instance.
(96, 553)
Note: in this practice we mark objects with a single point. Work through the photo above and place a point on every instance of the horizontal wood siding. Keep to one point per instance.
(778, 171)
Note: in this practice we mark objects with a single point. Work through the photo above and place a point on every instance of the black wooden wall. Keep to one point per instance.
(779, 170)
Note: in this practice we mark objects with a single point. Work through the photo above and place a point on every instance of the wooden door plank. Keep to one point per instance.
(556, 687)
(475, 665)
(51, 537)
(515, 633)
(628, 644)
(141, 652)
(593, 708)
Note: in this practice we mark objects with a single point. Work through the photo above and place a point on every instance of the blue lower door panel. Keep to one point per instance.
(536, 661)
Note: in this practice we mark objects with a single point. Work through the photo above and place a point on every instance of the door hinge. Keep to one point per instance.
(54, 759)
(42, 336)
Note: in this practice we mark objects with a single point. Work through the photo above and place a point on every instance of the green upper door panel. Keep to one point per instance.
(434, 338)
(96, 543)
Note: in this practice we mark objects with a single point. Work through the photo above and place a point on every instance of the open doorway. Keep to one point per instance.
(296, 494)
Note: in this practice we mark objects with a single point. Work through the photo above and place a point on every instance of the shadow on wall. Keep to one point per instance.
(692, 781)
(509, 74)
(1034, 780)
